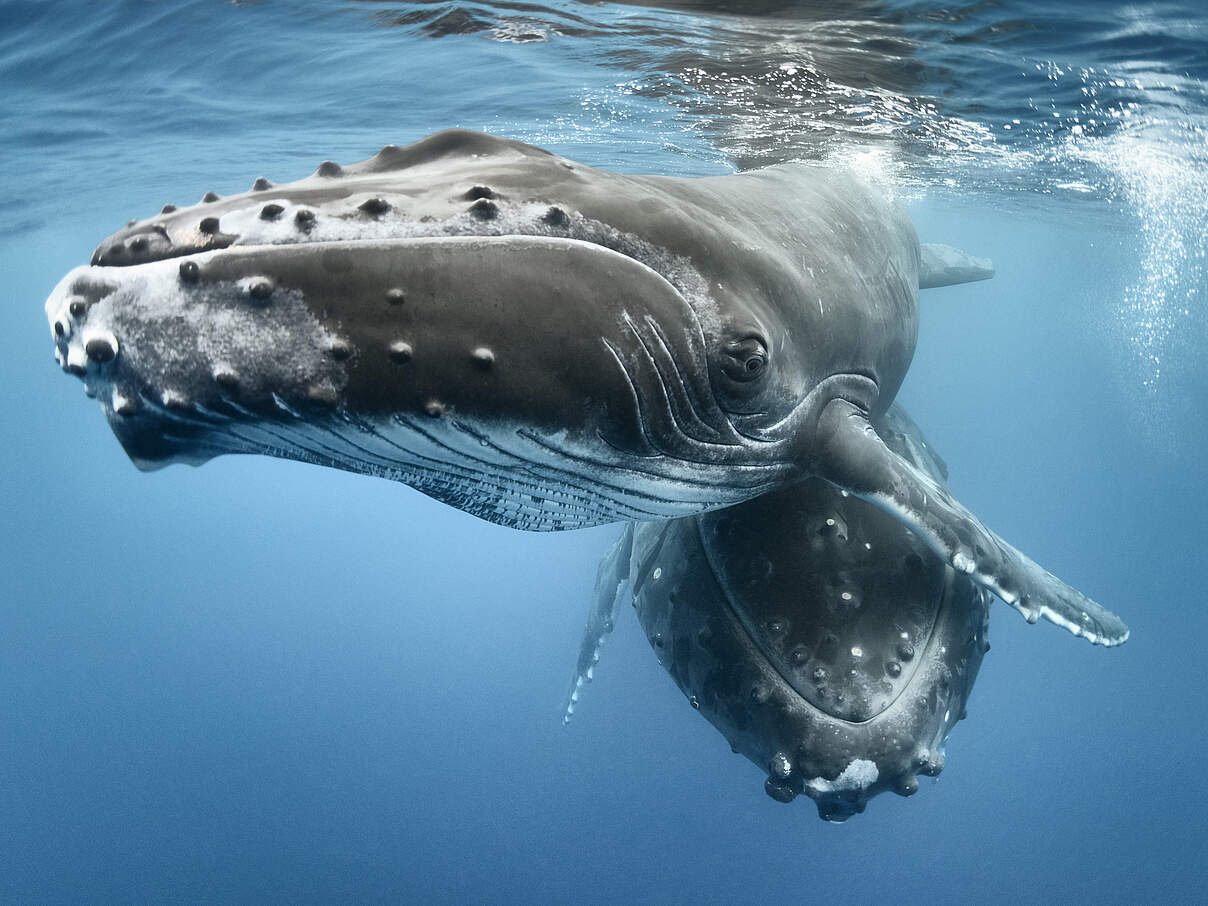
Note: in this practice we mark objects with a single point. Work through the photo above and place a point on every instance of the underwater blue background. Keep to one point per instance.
(262, 681)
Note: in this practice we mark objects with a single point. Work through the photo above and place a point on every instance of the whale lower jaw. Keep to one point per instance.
(510, 476)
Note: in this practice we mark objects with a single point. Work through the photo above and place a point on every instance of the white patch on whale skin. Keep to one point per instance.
(75, 356)
(170, 336)
(1047, 595)
(859, 775)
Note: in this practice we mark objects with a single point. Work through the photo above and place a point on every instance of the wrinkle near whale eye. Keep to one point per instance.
(745, 359)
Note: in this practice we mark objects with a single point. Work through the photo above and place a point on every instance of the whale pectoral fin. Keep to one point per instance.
(612, 587)
(942, 265)
(853, 457)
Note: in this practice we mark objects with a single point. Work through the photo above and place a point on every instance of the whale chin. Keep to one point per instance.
(151, 448)
(178, 458)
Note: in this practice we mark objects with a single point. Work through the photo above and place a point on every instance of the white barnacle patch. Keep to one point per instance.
(76, 359)
(859, 775)
(174, 399)
(180, 339)
(962, 562)
(253, 228)
(123, 404)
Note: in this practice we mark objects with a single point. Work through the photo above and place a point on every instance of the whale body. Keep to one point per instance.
(541, 343)
(829, 647)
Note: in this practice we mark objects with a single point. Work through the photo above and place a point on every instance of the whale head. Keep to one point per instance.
(534, 341)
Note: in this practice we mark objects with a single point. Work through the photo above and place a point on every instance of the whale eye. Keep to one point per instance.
(745, 359)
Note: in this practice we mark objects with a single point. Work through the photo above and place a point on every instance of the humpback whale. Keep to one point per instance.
(541, 343)
(829, 647)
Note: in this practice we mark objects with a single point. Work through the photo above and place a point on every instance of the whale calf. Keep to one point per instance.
(828, 646)
(540, 343)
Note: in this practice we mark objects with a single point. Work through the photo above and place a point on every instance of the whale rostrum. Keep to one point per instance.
(540, 343)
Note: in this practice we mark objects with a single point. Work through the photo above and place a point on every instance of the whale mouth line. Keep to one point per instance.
(236, 243)
(665, 366)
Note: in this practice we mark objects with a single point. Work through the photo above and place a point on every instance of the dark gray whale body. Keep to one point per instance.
(550, 346)
(828, 646)
(617, 347)
(540, 343)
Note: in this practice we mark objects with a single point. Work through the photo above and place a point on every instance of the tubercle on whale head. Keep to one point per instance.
(177, 231)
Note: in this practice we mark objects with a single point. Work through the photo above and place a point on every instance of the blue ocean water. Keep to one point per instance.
(262, 681)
